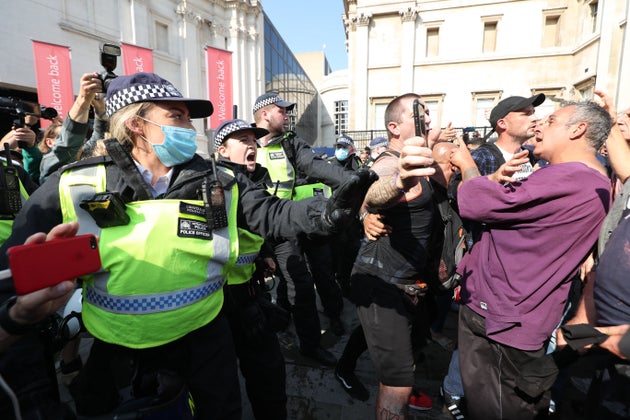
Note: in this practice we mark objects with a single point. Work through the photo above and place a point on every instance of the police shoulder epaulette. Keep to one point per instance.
(91, 161)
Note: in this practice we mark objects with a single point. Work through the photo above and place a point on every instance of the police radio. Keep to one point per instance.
(214, 200)
(10, 198)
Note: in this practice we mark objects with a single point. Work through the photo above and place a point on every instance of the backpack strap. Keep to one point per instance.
(388, 152)
(498, 156)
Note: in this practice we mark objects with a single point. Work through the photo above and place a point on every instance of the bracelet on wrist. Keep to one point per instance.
(362, 215)
(102, 116)
(10, 325)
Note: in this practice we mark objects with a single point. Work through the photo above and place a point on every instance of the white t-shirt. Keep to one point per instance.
(526, 169)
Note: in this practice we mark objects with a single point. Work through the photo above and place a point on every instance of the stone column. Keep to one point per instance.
(191, 77)
(407, 48)
(359, 69)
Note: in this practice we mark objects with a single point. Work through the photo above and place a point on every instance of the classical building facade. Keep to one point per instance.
(463, 57)
(177, 32)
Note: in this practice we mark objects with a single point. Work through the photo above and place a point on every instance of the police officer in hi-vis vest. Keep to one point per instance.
(257, 347)
(167, 222)
(288, 158)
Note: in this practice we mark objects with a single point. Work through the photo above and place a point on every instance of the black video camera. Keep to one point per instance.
(109, 57)
(19, 109)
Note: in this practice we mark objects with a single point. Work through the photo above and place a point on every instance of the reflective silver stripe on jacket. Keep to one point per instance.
(286, 185)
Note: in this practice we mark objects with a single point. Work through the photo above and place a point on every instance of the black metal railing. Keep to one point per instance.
(362, 138)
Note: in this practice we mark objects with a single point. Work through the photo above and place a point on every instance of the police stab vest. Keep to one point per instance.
(162, 273)
(280, 170)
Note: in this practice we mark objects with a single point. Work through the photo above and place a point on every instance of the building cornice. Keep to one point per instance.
(409, 14)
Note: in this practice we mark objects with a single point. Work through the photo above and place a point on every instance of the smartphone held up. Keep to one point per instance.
(418, 118)
(40, 265)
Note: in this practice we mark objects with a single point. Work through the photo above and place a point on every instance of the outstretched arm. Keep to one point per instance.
(34, 307)
(617, 145)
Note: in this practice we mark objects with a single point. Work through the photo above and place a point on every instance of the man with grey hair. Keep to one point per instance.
(516, 278)
(377, 146)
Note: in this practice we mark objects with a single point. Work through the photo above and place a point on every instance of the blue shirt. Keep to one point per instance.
(612, 292)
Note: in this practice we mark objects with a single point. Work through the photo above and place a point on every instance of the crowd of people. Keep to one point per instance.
(187, 244)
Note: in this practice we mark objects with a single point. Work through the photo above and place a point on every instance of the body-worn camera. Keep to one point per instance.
(107, 209)
(109, 58)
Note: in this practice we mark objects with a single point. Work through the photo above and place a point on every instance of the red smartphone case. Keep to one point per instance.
(36, 266)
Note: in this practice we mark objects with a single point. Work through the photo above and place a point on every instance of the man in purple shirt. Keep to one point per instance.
(537, 232)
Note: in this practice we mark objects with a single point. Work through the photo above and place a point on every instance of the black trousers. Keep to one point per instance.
(204, 359)
(260, 358)
(321, 262)
(489, 372)
(297, 291)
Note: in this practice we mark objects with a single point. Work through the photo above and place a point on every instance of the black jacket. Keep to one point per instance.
(307, 164)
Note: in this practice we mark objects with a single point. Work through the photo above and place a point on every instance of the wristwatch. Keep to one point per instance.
(8, 324)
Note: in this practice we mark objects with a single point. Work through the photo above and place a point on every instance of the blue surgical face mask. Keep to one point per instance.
(341, 154)
(179, 146)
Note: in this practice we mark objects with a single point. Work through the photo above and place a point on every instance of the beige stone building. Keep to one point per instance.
(463, 56)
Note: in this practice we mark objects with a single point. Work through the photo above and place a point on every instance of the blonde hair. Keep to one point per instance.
(48, 134)
(117, 122)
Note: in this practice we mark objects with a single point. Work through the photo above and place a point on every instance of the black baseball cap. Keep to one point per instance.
(511, 104)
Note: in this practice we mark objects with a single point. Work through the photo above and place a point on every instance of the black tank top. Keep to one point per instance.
(401, 256)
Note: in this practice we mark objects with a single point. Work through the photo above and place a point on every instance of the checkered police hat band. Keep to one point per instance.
(226, 131)
(140, 93)
(266, 102)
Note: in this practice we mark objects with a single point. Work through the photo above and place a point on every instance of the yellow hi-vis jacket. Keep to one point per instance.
(280, 170)
(162, 273)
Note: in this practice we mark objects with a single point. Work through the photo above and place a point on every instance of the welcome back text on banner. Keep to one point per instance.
(54, 78)
(219, 84)
(136, 59)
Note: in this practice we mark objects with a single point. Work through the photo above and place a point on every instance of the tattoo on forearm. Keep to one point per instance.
(470, 173)
(383, 193)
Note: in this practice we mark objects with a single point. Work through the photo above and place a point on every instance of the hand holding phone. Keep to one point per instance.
(418, 118)
(39, 265)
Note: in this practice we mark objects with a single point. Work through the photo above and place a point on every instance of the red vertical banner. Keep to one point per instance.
(219, 84)
(136, 59)
(54, 78)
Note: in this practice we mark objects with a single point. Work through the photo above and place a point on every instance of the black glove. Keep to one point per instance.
(346, 201)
